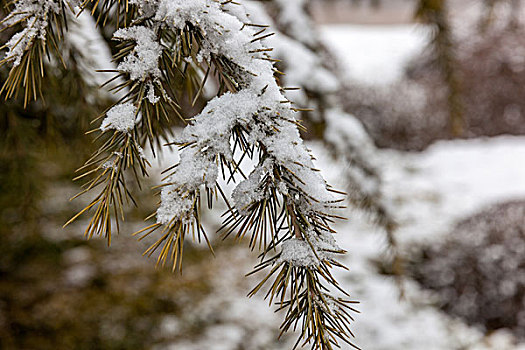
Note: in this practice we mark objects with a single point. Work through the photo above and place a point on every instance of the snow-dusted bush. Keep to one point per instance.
(492, 81)
(394, 115)
(472, 70)
(478, 273)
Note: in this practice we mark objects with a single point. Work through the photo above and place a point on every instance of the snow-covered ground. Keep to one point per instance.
(428, 192)
(375, 54)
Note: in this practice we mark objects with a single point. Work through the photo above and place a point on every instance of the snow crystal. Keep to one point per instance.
(282, 188)
(143, 63)
(152, 98)
(287, 147)
(250, 190)
(173, 206)
(141, 152)
(212, 127)
(108, 165)
(299, 252)
(121, 118)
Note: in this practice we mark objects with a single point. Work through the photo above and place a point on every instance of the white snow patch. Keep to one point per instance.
(375, 54)
(121, 118)
(144, 61)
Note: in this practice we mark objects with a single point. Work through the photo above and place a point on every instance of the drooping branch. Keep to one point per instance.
(167, 48)
(42, 29)
(283, 200)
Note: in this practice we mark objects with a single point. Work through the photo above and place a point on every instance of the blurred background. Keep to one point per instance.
(419, 116)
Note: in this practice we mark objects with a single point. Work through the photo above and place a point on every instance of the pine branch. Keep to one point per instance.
(283, 200)
(119, 12)
(340, 132)
(143, 114)
(43, 24)
(167, 51)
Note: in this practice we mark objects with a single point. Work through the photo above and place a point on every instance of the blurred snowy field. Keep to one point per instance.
(428, 192)
(375, 54)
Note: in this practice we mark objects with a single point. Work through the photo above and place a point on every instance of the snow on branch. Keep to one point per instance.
(35, 17)
(257, 106)
(142, 65)
(143, 62)
(252, 113)
(43, 24)
(121, 118)
(310, 252)
(284, 204)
